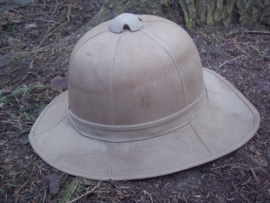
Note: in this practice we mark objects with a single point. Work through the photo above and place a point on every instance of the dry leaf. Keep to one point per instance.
(31, 66)
(16, 192)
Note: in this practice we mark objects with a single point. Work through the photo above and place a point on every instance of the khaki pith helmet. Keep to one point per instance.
(140, 105)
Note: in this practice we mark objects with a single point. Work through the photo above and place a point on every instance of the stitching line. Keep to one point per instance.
(83, 44)
(180, 77)
(200, 138)
(46, 109)
(208, 159)
(49, 128)
(112, 74)
(111, 159)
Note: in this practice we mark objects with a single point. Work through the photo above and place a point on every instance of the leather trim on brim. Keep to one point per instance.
(227, 121)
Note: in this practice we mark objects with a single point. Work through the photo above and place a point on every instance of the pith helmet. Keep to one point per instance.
(139, 105)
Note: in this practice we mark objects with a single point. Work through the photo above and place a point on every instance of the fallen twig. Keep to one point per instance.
(256, 48)
(219, 167)
(48, 31)
(202, 33)
(44, 197)
(27, 180)
(147, 193)
(43, 20)
(87, 193)
(257, 32)
(23, 79)
(241, 49)
(213, 48)
(229, 62)
(69, 9)
(255, 176)
(73, 190)
(185, 199)
(255, 151)
(12, 123)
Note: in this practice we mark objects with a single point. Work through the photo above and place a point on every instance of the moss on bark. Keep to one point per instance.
(219, 12)
(265, 17)
(227, 13)
(186, 7)
(189, 10)
(252, 12)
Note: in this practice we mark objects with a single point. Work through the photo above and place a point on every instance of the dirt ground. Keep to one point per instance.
(33, 71)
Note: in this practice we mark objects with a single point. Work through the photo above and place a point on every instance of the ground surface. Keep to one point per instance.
(33, 71)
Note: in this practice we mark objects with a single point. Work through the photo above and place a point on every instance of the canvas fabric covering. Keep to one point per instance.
(140, 105)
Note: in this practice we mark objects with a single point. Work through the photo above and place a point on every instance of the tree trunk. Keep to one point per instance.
(210, 12)
(223, 12)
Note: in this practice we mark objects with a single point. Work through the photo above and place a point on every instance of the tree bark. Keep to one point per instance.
(223, 12)
(210, 12)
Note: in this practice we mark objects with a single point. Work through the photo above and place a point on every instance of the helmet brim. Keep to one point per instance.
(227, 121)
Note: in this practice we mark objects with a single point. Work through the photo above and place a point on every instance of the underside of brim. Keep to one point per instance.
(227, 121)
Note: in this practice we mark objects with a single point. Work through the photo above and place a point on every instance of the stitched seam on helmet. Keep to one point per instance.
(47, 108)
(73, 54)
(200, 138)
(180, 77)
(112, 74)
(146, 125)
(111, 163)
(159, 171)
(49, 128)
(185, 166)
(219, 93)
